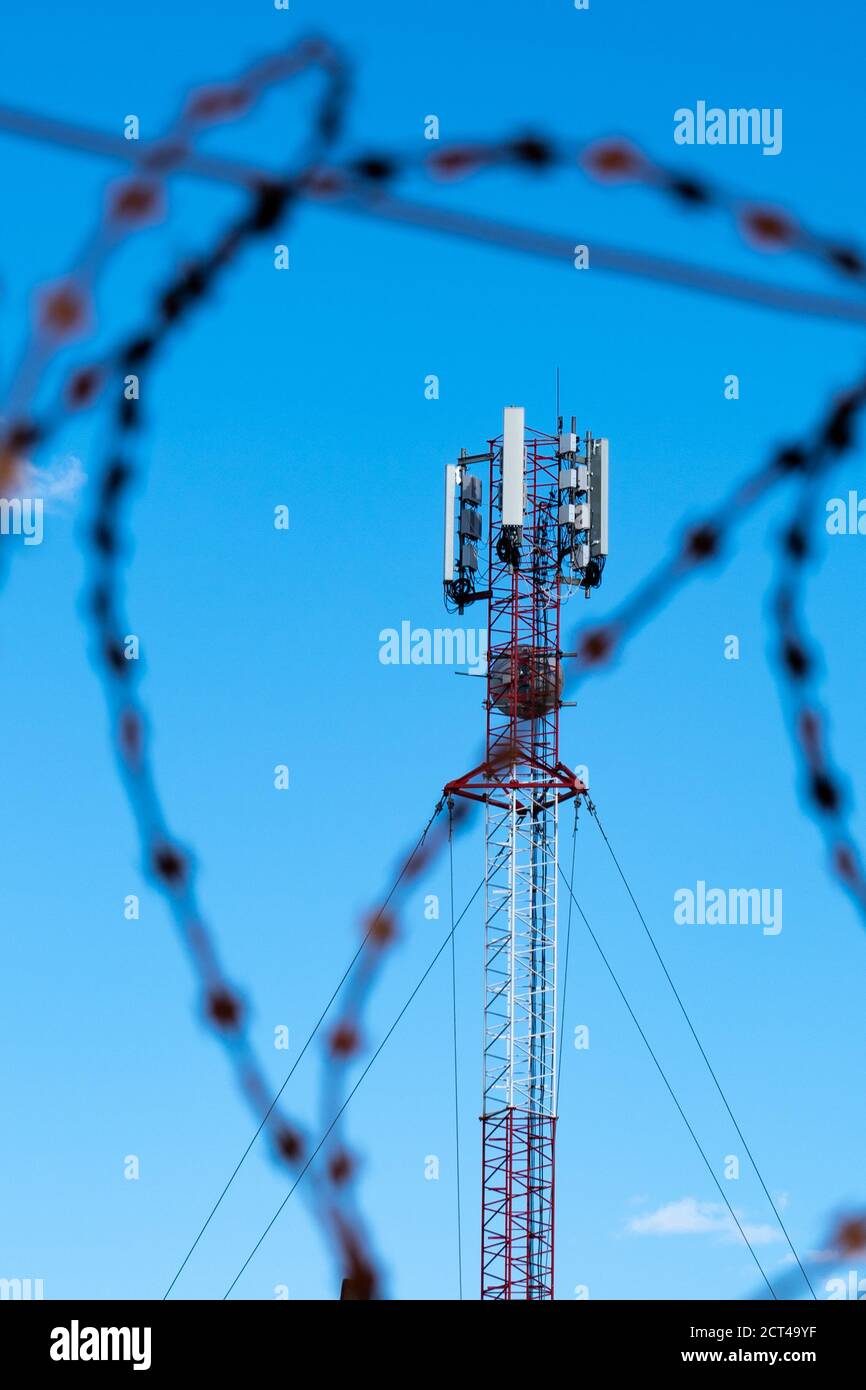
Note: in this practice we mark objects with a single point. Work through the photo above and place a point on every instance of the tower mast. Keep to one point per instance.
(547, 535)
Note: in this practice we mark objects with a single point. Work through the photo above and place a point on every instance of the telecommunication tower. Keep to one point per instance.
(547, 537)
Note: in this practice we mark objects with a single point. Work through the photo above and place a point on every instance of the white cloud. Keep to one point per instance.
(689, 1217)
(58, 485)
(813, 1257)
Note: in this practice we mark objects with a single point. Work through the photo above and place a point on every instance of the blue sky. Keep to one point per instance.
(307, 388)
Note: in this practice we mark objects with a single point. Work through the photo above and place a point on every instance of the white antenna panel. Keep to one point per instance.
(451, 471)
(512, 465)
(598, 475)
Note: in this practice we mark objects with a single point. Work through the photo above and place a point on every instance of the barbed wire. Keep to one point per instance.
(846, 1236)
(609, 160)
(701, 544)
(796, 653)
(617, 260)
(168, 864)
(344, 1043)
(65, 311)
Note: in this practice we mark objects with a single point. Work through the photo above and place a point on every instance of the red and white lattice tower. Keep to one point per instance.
(547, 535)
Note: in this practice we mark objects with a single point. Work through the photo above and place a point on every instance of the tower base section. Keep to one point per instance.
(517, 1215)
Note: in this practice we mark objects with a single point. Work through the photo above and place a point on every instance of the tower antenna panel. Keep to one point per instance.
(451, 471)
(598, 476)
(513, 453)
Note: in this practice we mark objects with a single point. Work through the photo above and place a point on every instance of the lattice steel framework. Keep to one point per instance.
(522, 783)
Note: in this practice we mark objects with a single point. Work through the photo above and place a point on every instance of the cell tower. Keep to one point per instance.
(547, 537)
